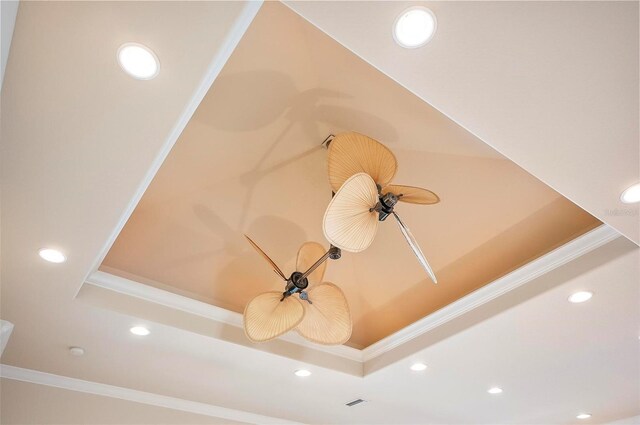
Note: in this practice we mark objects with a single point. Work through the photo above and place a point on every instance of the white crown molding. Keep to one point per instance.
(5, 332)
(536, 268)
(233, 37)
(209, 311)
(105, 390)
(513, 280)
(8, 15)
(632, 420)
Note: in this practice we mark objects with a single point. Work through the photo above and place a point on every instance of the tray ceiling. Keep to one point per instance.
(250, 161)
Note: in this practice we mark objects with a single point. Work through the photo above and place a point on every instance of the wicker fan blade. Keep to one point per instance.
(327, 319)
(308, 254)
(351, 153)
(266, 257)
(416, 248)
(266, 317)
(413, 195)
(348, 222)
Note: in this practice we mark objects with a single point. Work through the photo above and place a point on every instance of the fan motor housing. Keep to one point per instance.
(387, 202)
(295, 284)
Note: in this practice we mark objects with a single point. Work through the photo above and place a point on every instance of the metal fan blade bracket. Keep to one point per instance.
(327, 141)
(304, 295)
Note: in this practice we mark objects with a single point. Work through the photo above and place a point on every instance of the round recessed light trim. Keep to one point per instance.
(583, 416)
(580, 297)
(52, 255)
(494, 390)
(418, 367)
(139, 330)
(631, 195)
(414, 27)
(138, 61)
(76, 351)
(302, 373)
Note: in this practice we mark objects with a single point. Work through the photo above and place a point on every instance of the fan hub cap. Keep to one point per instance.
(295, 284)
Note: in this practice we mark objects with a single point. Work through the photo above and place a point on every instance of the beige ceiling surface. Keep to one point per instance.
(250, 162)
(552, 85)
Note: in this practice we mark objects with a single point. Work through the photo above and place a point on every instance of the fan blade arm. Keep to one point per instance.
(415, 248)
(321, 260)
(266, 257)
(307, 256)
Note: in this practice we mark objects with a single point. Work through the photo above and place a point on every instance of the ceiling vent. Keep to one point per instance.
(355, 402)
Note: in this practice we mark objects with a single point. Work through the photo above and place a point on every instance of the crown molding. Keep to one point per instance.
(8, 15)
(536, 268)
(189, 305)
(233, 37)
(5, 333)
(509, 282)
(105, 390)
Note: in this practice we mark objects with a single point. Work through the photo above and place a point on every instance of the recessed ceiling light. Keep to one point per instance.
(139, 330)
(76, 351)
(583, 416)
(631, 195)
(52, 255)
(138, 61)
(580, 297)
(417, 367)
(414, 27)
(494, 390)
(302, 373)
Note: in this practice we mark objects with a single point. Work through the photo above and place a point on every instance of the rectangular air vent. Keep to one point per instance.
(355, 402)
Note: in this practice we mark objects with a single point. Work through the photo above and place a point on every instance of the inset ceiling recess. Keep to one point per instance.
(251, 161)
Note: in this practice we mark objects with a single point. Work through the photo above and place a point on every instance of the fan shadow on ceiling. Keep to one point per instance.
(250, 161)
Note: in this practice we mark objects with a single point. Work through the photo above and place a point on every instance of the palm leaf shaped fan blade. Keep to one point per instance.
(411, 194)
(415, 248)
(268, 316)
(308, 254)
(352, 153)
(327, 319)
(321, 315)
(346, 222)
(266, 257)
(350, 223)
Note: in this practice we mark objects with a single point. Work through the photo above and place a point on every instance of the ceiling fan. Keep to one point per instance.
(360, 172)
(320, 314)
